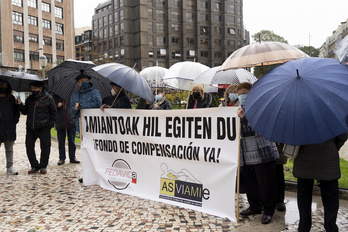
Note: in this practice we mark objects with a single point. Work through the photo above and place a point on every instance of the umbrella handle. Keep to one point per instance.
(116, 98)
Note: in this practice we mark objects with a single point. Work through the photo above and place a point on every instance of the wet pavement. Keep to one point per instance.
(58, 202)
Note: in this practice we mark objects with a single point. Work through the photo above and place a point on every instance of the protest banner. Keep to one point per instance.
(186, 158)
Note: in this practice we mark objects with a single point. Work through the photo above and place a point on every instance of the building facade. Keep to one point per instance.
(83, 43)
(145, 33)
(32, 28)
(327, 49)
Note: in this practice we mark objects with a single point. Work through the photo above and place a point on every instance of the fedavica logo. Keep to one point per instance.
(120, 175)
(182, 187)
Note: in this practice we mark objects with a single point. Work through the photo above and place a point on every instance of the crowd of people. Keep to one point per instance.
(261, 160)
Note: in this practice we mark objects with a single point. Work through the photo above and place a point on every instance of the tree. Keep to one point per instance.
(311, 51)
(266, 36)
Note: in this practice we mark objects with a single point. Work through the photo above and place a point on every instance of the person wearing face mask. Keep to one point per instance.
(41, 112)
(118, 99)
(161, 103)
(87, 97)
(230, 97)
(257, 160)
(198, 98)
(9, 117)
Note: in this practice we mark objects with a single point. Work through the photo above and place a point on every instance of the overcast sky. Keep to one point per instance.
(305, 22)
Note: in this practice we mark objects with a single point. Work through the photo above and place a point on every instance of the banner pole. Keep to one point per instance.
(238, 170)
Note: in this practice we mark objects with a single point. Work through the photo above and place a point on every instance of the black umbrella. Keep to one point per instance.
(61, 79)
(20, 81)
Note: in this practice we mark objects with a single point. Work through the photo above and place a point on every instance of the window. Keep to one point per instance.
(160, 3)
(190, 4)
(32, 20)
(160, 27)
(189, 28)
(59, 28)
(218, 30)
(159, 14)
(204, 43)
(116, 16)
(218, 18)
(217, 6)
(32, 3)
(116, 29)
(121, 3)
(116, 42)
(115, 4)
(18, 36)
(121, 14)
(18, 55)
(110, 32)
(176, 4)
(60, 45)
(204, 53)
(204, 30)
(17, 18)
(190, 41)
(151, 53)
(175, 27)
(204, 17)
(230, 19)
(176, 40)
(149, 13)
(17, 3)
(176, 54)
(110, 18)
(49, 58)
(150, 38)
(189, 17)
(59, 0)
(105, 33)
(161, 53)
(230, 8)
(204, 5)
(175, 16)
(218, 42)
(105, 21)
(95, 25)
(59, 12)
(122, 27)
(150, 27)
(100, 23)
(60, 59)
(47, 41)
(121, 40)
(33, 38)
(46, 24)
(149, 3)
(160, 40)
(191, 54)
(46, 7)
(34, 56)
(217, 54)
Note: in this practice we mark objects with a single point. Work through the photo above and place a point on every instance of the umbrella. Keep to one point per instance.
(20, 81)
(259, 54)
(303, 101)
(61, 79)
(127, 78)
(183, 74)
(232, 76)
(154, 75)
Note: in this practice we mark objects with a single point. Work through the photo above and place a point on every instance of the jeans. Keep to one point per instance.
(9, 153)
(71, 132)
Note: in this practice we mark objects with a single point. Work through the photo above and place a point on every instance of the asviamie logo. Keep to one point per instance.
(120, 175)
(182, 187)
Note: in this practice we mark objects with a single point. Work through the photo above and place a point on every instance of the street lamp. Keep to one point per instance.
(31, 60)
(43, 63)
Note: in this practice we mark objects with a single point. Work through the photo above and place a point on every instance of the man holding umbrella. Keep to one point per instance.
(9, 117)
(41, 112)
(118, 99)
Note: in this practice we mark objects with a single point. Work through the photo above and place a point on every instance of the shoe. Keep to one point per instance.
(249, 211)
(266, 219)
(11, 171)
(81, 180)
(280, 206)
(43, 171)
(60, 162)
(33, 170)
(74, 161)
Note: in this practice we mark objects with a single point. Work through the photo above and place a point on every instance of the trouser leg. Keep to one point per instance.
(330, 197)
(9, 153)
(30, 140)
(71, 142)
(280, 184)
(45, 145)
(61, 134)
(251, 187)
(304, 203)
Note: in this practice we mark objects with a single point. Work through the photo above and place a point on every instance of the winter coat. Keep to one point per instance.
(121, 102)
(201, 103)
(64, 120)
(320, 161)
(9, 117)
(41, 111)
(255, 149)
(88, 98)
(164, 104)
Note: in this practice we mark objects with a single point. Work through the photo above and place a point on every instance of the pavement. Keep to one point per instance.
(58, 202)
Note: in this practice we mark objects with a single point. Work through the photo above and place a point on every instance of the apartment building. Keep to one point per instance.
(33, 28)
(83, 43)
(145, 33)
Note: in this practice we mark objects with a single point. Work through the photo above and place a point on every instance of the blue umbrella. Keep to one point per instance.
(127, 78)
(303, 101)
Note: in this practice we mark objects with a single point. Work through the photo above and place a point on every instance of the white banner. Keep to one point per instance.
(186, 158)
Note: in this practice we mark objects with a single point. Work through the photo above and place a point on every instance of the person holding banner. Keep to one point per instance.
(230, 96)
(258, 156)
(118, 99)
(198, 98)
(161, 103)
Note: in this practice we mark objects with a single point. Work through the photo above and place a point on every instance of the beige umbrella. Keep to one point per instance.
(259, 54)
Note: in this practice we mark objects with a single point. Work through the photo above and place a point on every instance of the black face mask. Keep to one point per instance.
(35, 93)
(3, 90)
(196, 95)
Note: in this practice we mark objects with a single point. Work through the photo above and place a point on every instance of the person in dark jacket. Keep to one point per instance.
(65, 126)
(118, 99)
(319, 162)
(9, 117)
(41, 112)
(161, 103)
(198, 98)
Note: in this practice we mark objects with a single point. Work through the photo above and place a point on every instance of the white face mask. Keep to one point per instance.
(113, 93)
(158, 97)
(242, 98)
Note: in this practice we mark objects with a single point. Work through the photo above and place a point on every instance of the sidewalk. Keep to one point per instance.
(58, 202)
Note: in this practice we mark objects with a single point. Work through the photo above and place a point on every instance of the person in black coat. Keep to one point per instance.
(161, 103)
(118, 99)
(198, 98)
(41, 112)
(319, 162)
(9, 117)
(65, 126)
